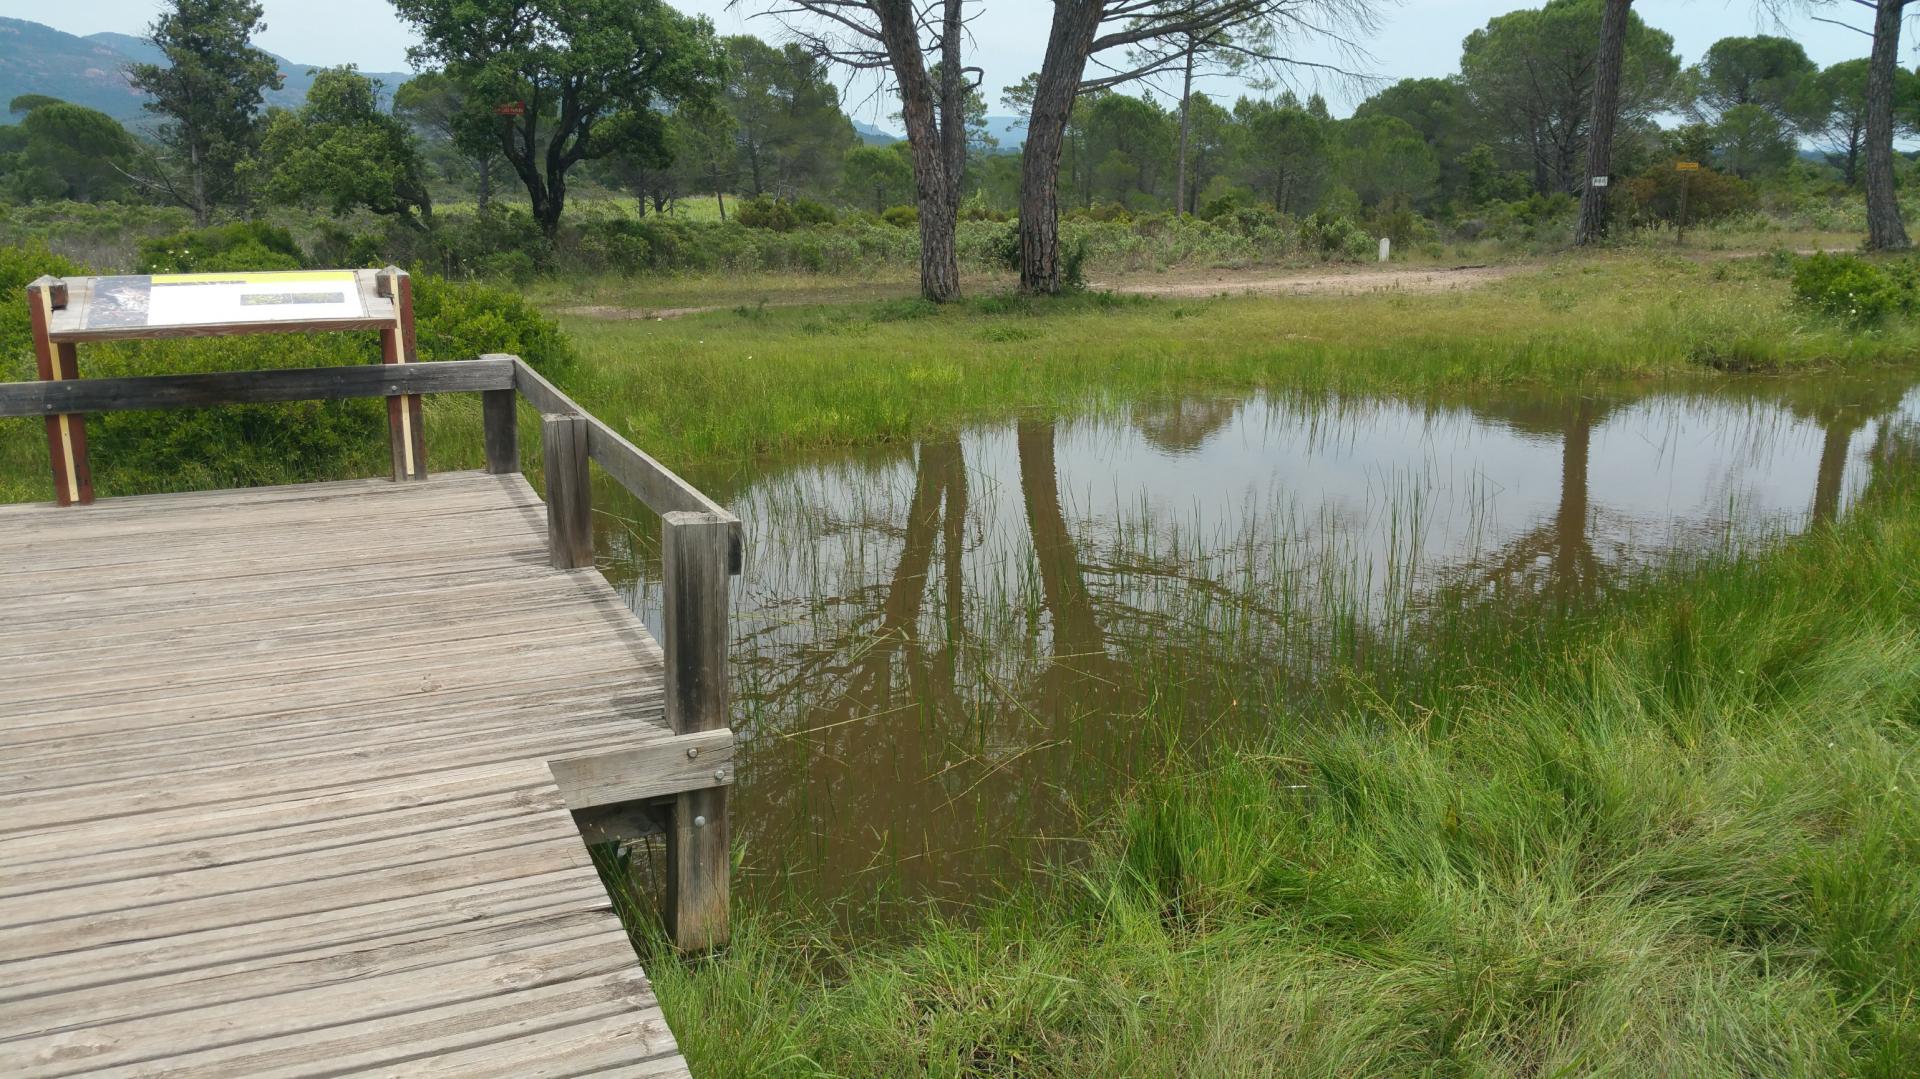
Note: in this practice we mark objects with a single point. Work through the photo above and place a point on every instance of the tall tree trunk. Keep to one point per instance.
(1186, 127)
(934, 171)
(202, 213)
(1606, 111)
(1884, 230)
(1074, 23)
(483, 188)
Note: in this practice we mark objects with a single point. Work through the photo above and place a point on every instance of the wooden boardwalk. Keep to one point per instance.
(278, 792)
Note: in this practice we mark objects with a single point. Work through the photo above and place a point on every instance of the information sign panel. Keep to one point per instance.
(171, 301)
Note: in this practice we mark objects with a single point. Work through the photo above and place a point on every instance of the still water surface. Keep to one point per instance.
(941, 651)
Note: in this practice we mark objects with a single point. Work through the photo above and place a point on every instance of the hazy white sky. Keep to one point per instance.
(1419, 37)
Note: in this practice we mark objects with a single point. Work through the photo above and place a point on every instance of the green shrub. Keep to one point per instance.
(902, 217)
(1334, 236)
(19, 266)
(243, 245)
(810, 212)
(1851, 288)
(1654, 196)
(460, 321)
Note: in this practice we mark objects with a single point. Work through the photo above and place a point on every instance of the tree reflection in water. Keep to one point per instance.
(943, 662)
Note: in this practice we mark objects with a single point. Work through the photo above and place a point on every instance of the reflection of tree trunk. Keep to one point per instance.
(1833, 469)
(952, 545)
(1574, 571)
(1076, 630)
(904, 595)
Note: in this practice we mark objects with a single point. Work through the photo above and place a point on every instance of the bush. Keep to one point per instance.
(1851, 288)
(459, 321)
(1654, 195)
(781, 215)
(810, 212)
(1335, 236)
(243, 245)
(902, 217)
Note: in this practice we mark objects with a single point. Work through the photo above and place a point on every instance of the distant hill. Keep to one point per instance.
(1010, 131)
(91, 71)
(872, 135)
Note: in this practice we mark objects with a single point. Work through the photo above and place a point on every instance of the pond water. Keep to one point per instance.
(948, 655)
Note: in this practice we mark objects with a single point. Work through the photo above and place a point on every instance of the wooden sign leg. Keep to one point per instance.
(66, 434)
(405, 430)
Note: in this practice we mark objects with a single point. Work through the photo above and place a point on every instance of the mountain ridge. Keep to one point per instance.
(91, 71)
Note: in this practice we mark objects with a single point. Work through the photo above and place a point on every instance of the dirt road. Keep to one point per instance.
(1183, 284)
(1411, 279)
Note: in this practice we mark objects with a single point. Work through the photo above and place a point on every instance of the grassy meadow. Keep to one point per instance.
(760, 378)
(789, 363)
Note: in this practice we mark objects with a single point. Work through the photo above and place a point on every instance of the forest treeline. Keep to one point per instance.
(512, 119)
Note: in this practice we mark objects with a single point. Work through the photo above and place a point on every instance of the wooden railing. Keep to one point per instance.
(700, 545)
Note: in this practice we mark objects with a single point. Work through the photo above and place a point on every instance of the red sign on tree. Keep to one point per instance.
(511, 108)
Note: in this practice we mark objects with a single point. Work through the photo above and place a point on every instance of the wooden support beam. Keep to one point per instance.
(250, 387)
(655, 769)
(501, 430)
(405, 429)
(696, 551)
(563, 443)
(66, 431)
(623, 823)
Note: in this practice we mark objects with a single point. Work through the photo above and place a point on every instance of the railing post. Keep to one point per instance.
(563, 444)
(694, 552)
(502, 431)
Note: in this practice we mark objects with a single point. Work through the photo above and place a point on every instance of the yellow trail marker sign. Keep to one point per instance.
(1687, 166)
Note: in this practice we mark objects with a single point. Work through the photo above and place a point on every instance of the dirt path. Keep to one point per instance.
(1410, 279)
(1184, 284)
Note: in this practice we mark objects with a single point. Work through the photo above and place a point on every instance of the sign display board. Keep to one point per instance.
(1687, 166)
(175, 300)
(72, 311)
(1598, 181)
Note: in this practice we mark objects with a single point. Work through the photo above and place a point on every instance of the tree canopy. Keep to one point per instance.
(342, 149)
(558, 82)
(208, 96)
(1528, 79)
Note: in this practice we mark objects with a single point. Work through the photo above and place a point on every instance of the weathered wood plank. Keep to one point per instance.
(694, 565)
(655, 770)
(500, 431)
(563, 443)
(250, 387)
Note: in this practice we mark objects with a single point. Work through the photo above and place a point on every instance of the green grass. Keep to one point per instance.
(767, 379)
(1679, 837)
(759, 378)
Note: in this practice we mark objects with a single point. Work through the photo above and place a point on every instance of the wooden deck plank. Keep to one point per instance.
(275, 795)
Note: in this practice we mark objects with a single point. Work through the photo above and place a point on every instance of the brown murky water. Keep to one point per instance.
(947, 654)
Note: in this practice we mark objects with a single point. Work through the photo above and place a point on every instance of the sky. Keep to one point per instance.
(1416, 38)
